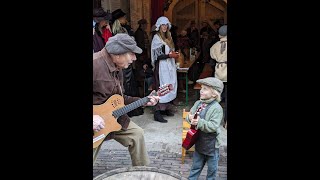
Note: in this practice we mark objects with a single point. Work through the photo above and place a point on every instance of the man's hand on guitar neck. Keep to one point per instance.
(98, 123)
(153, 99)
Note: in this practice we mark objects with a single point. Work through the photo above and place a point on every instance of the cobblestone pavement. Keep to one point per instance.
(113, 159)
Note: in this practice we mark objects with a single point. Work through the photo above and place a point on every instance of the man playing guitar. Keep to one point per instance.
(118, 53)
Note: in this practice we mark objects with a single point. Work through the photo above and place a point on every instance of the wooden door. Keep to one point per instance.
(198, 10)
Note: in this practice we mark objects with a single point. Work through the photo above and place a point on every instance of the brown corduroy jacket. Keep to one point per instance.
(107, 79)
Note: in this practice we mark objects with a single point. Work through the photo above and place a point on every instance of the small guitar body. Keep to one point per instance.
(191, 137)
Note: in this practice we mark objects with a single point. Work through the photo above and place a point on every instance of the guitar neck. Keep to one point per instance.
(134, 105)
(196, 116)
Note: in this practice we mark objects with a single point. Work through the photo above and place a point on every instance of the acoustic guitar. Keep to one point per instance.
(114, 107)
(192, 134)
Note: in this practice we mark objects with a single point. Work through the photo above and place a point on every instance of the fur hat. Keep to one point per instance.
(213, 82)
(122, 43)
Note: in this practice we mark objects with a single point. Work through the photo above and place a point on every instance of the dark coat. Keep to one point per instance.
(98, 42)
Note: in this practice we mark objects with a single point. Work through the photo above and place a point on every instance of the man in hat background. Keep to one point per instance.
(215, 28)
(119, 25)
(205, 28)
(119, 53)
(208, 125)
(102, 28)
(203, 55)
(218, 53)
(193, 34)
(184, 44)
(143, 71)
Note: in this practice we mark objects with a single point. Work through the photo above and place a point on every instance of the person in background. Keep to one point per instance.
(143, 67)
(205, 28)
(193, 34)
(218, 53)
(184, 44)
(102, 28)
(163, 57)
(174, 34)
(119, 21)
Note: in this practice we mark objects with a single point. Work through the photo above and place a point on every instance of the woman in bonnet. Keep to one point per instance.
(163, 57)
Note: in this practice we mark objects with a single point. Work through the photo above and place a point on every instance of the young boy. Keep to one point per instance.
(208, 125)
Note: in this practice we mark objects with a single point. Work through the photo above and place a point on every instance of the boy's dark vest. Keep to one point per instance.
(206, 141)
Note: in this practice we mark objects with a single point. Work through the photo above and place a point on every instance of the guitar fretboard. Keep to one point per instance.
(197, 113)
(121, 111)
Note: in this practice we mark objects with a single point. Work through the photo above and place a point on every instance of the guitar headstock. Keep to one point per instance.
(164, 89)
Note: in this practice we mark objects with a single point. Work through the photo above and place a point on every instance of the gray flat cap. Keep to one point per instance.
(223, 30)
(217, 84)
(122, 43)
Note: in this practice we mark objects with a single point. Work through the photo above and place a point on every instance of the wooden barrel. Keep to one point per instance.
(138, 173)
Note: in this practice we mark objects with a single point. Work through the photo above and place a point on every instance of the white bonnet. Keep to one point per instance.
(162, 20)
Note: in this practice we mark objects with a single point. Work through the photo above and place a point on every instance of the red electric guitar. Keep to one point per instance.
(114, 107)
(192, 134)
